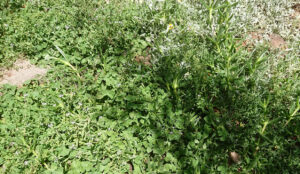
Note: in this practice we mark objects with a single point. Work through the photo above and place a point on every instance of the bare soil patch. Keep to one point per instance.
(21, 72)
(275, 41)
(296, 7)
(146, 60)
(296, 15)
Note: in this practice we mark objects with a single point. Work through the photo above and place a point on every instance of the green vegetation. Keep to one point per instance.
(147, 87)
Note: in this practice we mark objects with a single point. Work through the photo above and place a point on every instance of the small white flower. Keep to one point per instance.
(54, 105)
(68, 114)
(47, 57)
(186, 75)
(72, 122)
(50, 125)
(26, 163)
(17, 152)
(80, 104)
(183, 64)
(67, 27)
(44, 104)
(61, 95)
(73, 146)
(100, 117)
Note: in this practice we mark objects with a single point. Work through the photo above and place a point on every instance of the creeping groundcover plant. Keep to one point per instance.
(151, 86)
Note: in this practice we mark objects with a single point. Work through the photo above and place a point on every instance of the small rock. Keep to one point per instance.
(234, 157)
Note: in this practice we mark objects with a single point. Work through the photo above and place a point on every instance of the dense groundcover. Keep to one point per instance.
(144, 87)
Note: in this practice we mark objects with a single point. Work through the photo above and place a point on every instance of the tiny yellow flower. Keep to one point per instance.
(170, 26)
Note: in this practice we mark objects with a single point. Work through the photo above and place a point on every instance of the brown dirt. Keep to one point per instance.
(21, 72)
(296, 7)
(143, 59)
(146, 60)
(252, 38)
(275, 41)
(296, 15)
(256, 35)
